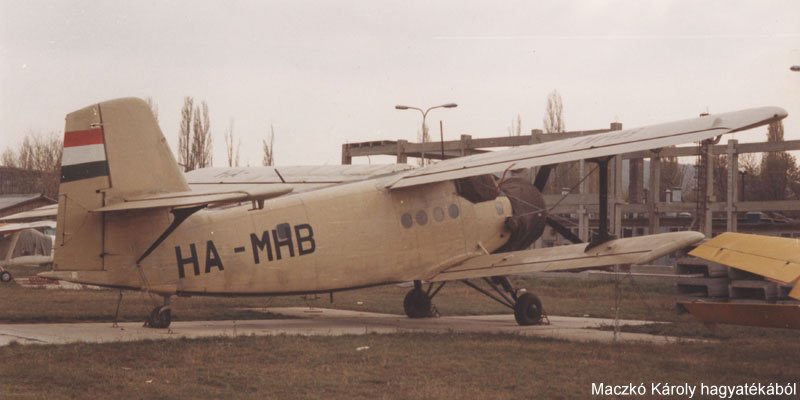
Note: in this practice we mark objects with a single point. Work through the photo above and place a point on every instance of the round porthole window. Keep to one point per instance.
(438, 214)
(422, 217)
(406, 220)
(452, 210)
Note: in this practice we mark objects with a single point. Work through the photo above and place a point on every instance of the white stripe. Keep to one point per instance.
(83, 154)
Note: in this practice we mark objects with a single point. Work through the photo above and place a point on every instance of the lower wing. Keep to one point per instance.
(635, 250)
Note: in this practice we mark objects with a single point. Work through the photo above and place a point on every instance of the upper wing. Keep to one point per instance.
(635, 250)
(772, 257)
(230, 185)
(292, 175)
(600, 145)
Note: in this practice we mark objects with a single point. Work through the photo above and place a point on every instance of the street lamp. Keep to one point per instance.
(425, 127)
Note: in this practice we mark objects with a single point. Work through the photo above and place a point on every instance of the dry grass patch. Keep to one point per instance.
(440, 366)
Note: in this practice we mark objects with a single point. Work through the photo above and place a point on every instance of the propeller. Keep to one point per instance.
(541, 180)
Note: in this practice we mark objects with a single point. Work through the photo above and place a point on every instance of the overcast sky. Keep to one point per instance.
(329, 72)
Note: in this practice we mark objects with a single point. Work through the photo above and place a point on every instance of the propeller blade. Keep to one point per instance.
(541, 177)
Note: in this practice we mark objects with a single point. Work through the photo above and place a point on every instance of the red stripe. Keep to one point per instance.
(82, 138)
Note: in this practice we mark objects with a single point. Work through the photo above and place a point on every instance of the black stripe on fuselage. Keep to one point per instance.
(88, 170)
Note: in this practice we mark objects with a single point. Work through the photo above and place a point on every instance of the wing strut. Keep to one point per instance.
(603, 234)
(180, 215)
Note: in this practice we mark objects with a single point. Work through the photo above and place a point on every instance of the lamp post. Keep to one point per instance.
(424, 115)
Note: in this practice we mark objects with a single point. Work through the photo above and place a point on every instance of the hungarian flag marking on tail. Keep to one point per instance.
(84, 155)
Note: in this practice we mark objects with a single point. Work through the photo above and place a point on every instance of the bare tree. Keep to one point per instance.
(185, 135)
(269, 147)
(9, 158)
(194, 137)
(516, 127)
(232, 146)
(201, 137)
(779, 176)
(39, 154)
(553, 114)
(565, 175)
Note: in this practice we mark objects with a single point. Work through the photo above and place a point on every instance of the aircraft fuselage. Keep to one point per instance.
(345, 236)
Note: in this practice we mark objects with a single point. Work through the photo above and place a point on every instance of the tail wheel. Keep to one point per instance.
(528, 309)
(5, 277)
(417, 304)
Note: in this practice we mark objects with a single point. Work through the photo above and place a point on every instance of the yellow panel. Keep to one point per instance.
(773, 257)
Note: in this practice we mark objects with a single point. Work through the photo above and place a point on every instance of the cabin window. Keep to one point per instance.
(438, 214)
(406, 220)
(452, 210)
(422, 217)
(499, 207)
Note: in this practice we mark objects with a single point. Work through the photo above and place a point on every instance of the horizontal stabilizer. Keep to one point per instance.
(50, 210)
(221, 195)
(26, 225)
(635, 250)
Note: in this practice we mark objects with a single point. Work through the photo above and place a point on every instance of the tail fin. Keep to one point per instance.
(112, 150)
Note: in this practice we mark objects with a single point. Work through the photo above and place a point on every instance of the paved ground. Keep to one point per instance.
(323, 322)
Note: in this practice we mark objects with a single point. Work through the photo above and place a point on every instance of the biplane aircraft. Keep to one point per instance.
(774, 258)
(128, 218)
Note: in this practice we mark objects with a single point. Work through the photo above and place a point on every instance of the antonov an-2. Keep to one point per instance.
(129, 218)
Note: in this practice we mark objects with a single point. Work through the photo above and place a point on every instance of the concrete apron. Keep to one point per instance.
(325, 322)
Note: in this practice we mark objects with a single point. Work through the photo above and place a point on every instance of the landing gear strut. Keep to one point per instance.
(417, 303)
(527, 306)
(161, 316)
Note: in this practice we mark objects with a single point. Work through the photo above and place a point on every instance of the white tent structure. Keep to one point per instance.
(22, 245)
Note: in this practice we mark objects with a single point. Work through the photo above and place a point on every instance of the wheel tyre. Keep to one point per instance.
(417, 304)
(5, 277)
(160, 318)
(528, 309)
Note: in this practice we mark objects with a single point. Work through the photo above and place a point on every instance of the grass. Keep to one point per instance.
(414, 366)
(441, 366)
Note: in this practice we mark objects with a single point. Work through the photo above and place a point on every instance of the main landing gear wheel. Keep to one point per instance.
(5, 277)
(417, 304)
(528, 309)
(160, 317)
